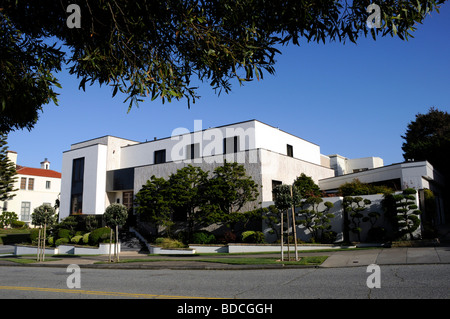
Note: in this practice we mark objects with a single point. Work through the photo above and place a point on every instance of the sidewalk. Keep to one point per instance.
(347, 258)
(389, 256)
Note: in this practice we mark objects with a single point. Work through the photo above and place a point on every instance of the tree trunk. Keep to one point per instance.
(282, 238)
(110, 243)
(43, 241)
(294, 228)
(116, 246)
(287, 223)
(38, 255)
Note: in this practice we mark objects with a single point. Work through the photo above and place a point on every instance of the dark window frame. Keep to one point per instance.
(159, 156)
(235, 144)
(289, 150)
(76, 196)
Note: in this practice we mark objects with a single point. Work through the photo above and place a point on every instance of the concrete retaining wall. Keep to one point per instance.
(103, 249)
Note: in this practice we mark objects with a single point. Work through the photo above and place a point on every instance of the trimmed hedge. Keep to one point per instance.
(169, 243)
(86, 238)
(76, 239)
(99, 235)
(64, 233)
(62, 241)
(254, 237)
(203, 237)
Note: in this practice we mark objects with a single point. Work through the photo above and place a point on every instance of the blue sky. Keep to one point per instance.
(352, 100)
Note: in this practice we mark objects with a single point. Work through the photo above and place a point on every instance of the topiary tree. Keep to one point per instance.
(115, 216)
(353, 208)
(407, 212)
(317, 222)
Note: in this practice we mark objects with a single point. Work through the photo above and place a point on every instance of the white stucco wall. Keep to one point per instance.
(275, 140)
(363, 163)
(275, 166)
(94, 184)
(210, 144)
(252, 135)
(250, 161)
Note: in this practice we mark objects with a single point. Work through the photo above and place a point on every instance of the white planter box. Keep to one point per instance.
(32, 250)
(170, 251)
(210, 248)
(103, 249)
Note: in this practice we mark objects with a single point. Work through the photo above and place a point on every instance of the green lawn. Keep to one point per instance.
(310, 260)
(20, 260)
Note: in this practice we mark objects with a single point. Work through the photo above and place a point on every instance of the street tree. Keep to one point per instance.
(164, 49)
(286, 197)
(43, 217)
(115, 215)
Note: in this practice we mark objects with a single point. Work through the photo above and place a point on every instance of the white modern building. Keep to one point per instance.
(35, 186)
(343, 165)
(105, 170)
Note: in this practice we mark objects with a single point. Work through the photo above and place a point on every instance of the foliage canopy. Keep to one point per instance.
(157, 49)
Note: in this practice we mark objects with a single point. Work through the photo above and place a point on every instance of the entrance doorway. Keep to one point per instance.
(127, 200)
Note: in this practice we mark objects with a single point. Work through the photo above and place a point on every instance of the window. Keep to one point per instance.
(160, 157)
(231, 144)
(23, 183)
(25, 208)
(48, 184)
(76, 198)
(290, 150)
(275, 184)
(193, 151)
(31, 184)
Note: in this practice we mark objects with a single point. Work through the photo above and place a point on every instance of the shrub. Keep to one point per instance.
(251, 236)
(203, 237)
(229, 236)
(50, 240)
(18, 224)
(168, 243)
(34, 234)
(62, 241)
(86, 238)
(64, 233)
(329, 237)
(99, 235)
(76, 239)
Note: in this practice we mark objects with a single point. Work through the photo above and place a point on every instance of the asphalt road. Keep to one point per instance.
(431, 281)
